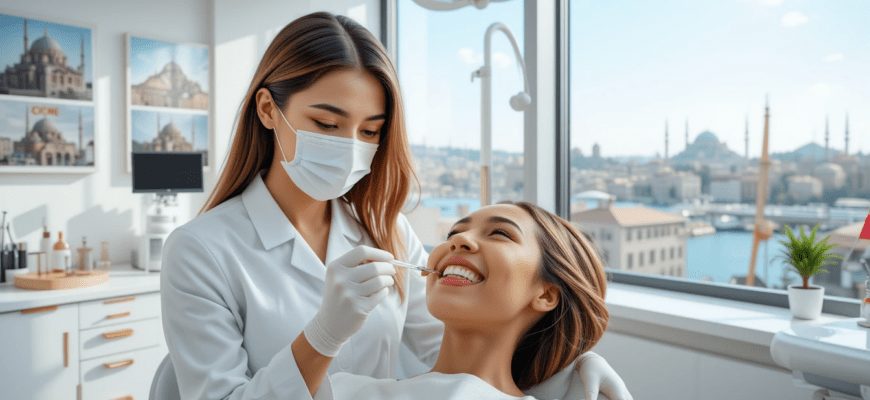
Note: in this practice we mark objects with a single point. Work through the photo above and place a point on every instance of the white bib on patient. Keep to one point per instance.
(428, 386)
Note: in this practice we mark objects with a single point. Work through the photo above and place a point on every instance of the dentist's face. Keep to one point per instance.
(489, 269)
(348, 103)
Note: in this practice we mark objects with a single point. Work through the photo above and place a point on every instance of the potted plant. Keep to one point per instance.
(807, 257)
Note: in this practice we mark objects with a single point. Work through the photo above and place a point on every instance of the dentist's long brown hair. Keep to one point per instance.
(303, 52)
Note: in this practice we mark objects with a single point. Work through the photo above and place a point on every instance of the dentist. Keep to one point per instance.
(284, 270)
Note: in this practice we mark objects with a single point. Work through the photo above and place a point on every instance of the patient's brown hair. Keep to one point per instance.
(568, 261)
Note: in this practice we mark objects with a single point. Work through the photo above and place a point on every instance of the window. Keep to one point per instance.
(436, 53)
(630, 262)
(628, 235)
(652, 257)
(639, 234)
(640, 259)
(612, 85)
(662, 257)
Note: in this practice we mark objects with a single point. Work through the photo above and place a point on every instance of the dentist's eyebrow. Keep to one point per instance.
(495, 220)
(340, 112)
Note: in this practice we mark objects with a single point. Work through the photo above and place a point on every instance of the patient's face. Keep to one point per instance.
(489, 266)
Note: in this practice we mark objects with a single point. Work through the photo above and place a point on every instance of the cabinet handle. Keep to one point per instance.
(66, 349)
(118, 334)
(118, 364)
(39, 309)
(119, 300)
(119, 315)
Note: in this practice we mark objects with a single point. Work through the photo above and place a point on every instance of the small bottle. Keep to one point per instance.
(865, 304)
(45, 245)
(60, 253)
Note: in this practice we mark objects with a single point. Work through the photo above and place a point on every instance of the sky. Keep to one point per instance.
(636, 66)
(13, 117)
(144, 124)
(69, 38)
(148, 57)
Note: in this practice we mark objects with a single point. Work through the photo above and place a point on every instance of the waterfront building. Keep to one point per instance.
(670, 187)
(831, 175)
(804, 187)
(726, 191)
(636, 239)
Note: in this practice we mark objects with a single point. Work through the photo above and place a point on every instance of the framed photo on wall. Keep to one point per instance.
(46, 97)
(168, 97)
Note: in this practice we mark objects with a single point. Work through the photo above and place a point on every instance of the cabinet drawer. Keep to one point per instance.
(118, 310)
(98, 342)
(120, 375)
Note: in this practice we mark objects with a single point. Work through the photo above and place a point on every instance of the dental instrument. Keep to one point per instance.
(412, 266)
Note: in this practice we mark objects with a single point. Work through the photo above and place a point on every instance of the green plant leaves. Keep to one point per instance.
(805, 255)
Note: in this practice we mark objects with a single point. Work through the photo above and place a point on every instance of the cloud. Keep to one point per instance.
(502, 60)
(793, 19)
(467, 55)
(768, 2)
(834, 57)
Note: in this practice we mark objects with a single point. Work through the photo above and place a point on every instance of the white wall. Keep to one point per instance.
(99, 205)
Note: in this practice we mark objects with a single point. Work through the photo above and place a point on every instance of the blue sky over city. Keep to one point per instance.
(635, 65)
(69, 38)
(150, 56)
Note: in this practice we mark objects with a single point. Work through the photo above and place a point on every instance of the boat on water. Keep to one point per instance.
(700, 228)
(727, 222)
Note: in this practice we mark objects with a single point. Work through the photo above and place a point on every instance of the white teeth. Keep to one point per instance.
(461, 271)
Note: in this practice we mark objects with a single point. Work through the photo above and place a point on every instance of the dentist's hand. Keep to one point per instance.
(355, 283)
(596, 373)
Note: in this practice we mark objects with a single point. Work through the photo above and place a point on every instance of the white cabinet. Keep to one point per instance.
(99, 349)
(39, 353)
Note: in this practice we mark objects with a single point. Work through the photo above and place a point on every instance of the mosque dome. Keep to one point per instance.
(44, 127)
(170, 130)
(46, 43)
(172, 66)
(707, 137)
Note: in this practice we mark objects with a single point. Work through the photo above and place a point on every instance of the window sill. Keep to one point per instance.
(730, 328)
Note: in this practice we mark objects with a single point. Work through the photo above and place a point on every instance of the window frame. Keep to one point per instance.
(561, 190)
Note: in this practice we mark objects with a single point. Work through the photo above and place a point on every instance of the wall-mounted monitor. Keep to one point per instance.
(167, 172)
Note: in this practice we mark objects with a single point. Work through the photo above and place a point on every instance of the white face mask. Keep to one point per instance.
(326, 167)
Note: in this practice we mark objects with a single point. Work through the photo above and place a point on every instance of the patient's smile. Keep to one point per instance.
(457, 275)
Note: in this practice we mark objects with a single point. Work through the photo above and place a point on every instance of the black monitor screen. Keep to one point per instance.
(160, 172)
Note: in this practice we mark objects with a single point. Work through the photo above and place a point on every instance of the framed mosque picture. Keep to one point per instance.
(168, 97)
(46, 97)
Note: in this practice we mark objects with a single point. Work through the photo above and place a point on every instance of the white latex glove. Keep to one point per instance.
(354, 286)
(596, 373)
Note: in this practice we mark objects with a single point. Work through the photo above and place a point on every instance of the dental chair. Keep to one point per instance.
(165, 384)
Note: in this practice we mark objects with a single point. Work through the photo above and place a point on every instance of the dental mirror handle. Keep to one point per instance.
(412, 266)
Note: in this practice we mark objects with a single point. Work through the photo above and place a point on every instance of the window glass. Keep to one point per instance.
(668, 113)
(437, 53)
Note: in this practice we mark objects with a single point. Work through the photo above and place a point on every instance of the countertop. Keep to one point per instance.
(123, 280)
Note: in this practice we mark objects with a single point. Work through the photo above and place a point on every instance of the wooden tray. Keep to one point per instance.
(59, 279)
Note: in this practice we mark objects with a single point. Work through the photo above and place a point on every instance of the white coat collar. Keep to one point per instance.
(274, 229)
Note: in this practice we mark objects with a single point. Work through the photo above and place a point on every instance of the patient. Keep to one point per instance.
(521, 295)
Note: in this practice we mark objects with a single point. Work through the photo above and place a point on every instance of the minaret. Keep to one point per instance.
(158, 125)
(666, 139)
(82, 67)
(687, 133)
(27, 119)
(827, 140)
(746, 138)
(847, 134)
(81, 141)
(25, 36)
(193, 135)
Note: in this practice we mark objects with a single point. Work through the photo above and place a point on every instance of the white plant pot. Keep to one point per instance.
(805, 303)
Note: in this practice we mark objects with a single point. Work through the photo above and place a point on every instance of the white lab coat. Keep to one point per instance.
(239, 284)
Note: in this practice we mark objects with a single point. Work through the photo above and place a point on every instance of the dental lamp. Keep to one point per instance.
(519, 102)
(452, 5)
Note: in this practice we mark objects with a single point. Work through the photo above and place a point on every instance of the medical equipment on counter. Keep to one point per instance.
(59, 253)
(412, 266)
(105, 261)
(84, 255)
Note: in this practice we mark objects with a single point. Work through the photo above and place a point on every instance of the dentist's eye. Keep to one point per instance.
(370, 134)
(325, 126)
(503, 233)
